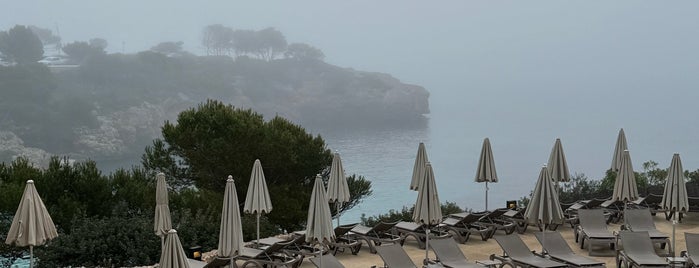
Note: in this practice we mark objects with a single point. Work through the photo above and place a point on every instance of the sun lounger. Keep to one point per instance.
(449, 254)
(394, 256)
(613, 209)
(640, 220)
(462, 225)
(638, 251)
(417, 231)
(557, 248)
(344, 241)
(593, 229)
(496, 220)
(218, 262)
(377, 235)
(327, 261)
(571, 213)
(271, 256)
(692, 253)
(517, 254)
(298, 246)
(650, 201)
(517, 217)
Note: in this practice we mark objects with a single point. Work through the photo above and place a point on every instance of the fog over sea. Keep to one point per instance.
(521, 73)
(522, 129)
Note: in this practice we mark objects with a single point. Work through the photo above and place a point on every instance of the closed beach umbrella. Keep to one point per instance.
(162, 223)
(675, 195)
(319, 229)
(419, 166)
(625, 188)
(544, 207)
(619, 150)
(427, 208)
(173, 255)
(558, 166)
(338, 190)
(486, 168)
(230, 237)
(32, 224)
(257, 198)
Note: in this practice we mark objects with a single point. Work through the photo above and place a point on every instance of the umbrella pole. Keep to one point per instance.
(625, 225)
(258, 230)
(674, 219)
(486, 195)
(31, 256)
(427, 244)
(338, 213)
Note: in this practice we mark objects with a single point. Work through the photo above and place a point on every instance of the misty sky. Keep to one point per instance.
(543, 69)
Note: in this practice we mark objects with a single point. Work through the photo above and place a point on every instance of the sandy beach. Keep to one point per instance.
(476, 249)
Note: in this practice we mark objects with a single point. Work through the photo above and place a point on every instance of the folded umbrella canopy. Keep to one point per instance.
(558, 166)
(625, 188)
(418, 167)
(675, 194)
(173, 255)
(162, 222)
(544, 207)
(257, 198)
(428, 210)
(319, 227)
(486, 168)
(338, 190)
(230, 236)
(32, 224)
(619, 149)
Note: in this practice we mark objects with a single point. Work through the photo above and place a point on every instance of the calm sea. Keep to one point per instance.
(522, 127)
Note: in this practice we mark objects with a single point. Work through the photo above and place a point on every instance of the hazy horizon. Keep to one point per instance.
(521, 73)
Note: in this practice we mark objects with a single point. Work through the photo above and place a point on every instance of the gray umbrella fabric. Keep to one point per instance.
(558, 166)
(675, 194)
(338, 190)
(486, 168)
(619, 149)
(428, 210)
(544, 207)
(418, 167)
(257, 198)
(230, 236)
(319, 227)
(32, 225)
(173, 255)
(625, 188)
(162, 222)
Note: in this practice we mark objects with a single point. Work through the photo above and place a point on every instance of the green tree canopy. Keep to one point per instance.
(21, 45)
(217, 39)
(215, 140)
(168, 48)
(303, 51)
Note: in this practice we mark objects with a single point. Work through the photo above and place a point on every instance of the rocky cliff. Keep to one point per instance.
(118, 103)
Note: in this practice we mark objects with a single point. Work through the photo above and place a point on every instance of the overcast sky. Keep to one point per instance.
(599, 64)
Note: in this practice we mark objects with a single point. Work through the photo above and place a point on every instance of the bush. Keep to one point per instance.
(108, 242)
(406, 214)
(579, 188)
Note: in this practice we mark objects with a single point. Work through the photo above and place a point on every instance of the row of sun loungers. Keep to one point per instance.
(386, 239)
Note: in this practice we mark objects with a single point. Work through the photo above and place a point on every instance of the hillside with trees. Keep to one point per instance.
(111, 105)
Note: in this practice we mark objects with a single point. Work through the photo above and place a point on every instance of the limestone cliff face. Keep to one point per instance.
(131, 97)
